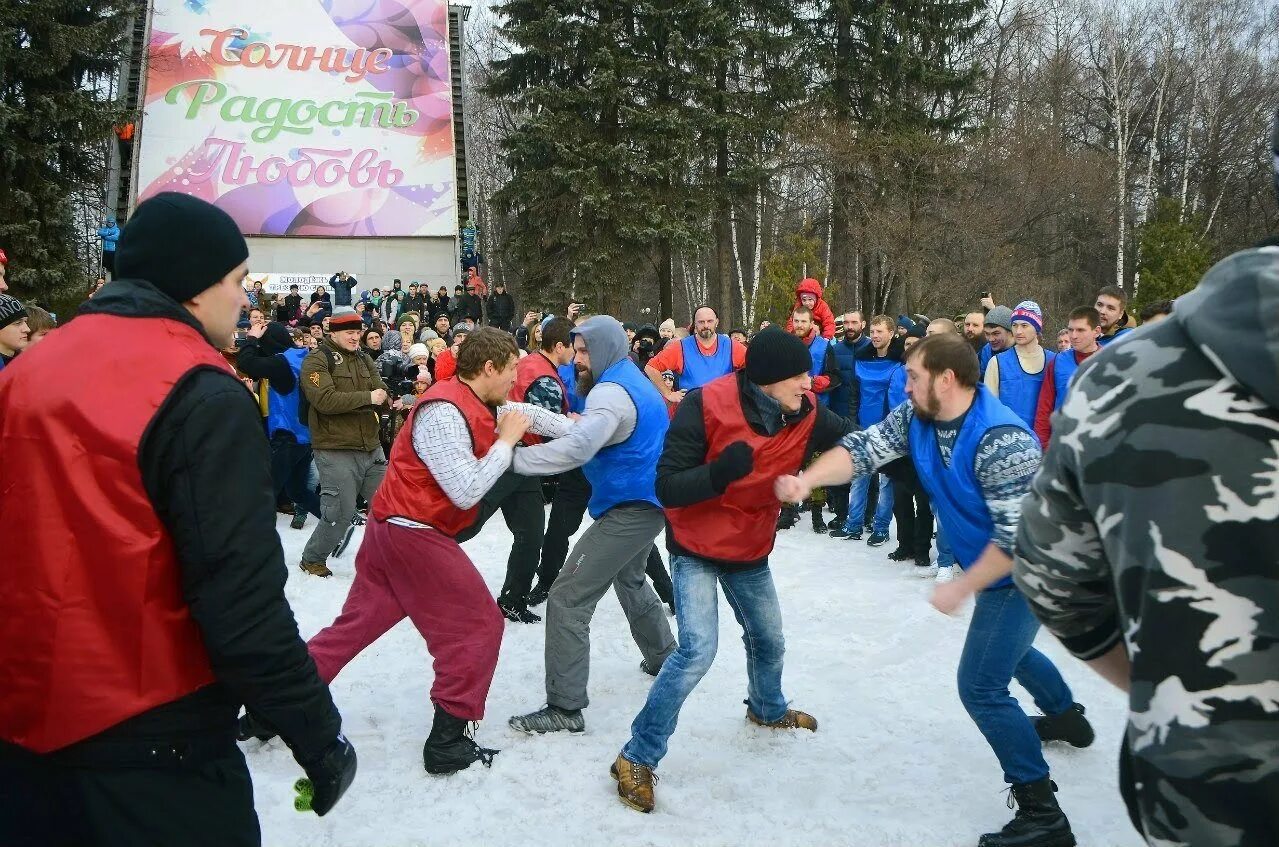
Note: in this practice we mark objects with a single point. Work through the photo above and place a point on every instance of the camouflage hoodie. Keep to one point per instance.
(1154, 521)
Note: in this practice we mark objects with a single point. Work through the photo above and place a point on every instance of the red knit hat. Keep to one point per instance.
(345, 318)
(4, 259)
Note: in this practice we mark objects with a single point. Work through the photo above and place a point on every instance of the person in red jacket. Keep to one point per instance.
(1084, 328)
(145, 601)
(809, 294)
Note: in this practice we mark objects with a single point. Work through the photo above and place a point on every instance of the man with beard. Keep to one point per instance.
(976, 459)
(844, 401)
(698, 359)
(975, 330)
(825, 378)
(1110, 305)
(617, 443)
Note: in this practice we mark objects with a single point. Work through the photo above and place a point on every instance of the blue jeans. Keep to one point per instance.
(996, 651)
(945, 556)
(291, 471)
(754, 602)
(857, 504)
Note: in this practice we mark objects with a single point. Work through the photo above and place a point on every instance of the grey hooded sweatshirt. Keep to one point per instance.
(609, 416)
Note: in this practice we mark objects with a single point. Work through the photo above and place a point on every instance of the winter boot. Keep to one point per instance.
(649, 669)
(788, 518)
(793, 719)
(538, 595)
(819, 525)
(516, 614)
(346, 540)
(252, 727)
(634, 784)
(1070, 726)
(299, 519)
(550, 719)
(450, 748)
(316, 568)
(901, 554)
(1039, 821)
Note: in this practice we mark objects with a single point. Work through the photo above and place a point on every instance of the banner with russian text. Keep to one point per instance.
(303, 117)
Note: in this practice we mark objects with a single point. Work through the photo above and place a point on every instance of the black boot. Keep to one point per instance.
(449, 748)
(1039, 821)
(901, 554)
(819, 525)
(788, 518)
(1070, 726)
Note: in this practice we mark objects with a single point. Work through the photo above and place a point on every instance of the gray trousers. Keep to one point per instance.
(614, 551)
(344, 475)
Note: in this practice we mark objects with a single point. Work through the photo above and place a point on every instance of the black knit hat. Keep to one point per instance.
(11, 310)
(179, 244)
(775, 355)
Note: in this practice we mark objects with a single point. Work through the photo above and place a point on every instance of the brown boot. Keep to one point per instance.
(316, 568)
(634, 784)
(793, 719)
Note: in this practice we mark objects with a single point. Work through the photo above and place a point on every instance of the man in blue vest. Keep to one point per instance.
(874, 366)
(1083, 329)
(268, 353)
(976, 459)
(999, 335)
(824, 373)
(1110, 305)
(617, 443)
(1014, 376)
(703, 356)
(844, 400)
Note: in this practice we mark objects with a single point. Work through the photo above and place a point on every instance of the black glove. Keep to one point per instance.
(737, 460)
(331, 775)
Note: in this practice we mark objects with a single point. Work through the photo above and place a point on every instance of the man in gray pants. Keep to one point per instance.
(344, 390)
(620, 435)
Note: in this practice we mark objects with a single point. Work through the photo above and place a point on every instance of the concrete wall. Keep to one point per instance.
(375, 262)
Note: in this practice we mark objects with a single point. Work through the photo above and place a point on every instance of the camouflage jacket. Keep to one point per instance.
(1154, 522)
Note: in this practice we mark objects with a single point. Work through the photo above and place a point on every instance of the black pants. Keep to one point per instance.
(914, 515)
(290, 471)
(656, 570)
(201, 801)
(525, 516)
(872, 500)
(567, 510)
(837, 496)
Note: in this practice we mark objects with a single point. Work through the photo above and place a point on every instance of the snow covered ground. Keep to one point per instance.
(896, 761)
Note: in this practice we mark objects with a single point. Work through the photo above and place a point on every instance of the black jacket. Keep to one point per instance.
(261, 359)
(501, 309)
(466, 306)
(684, 477)
(206, 470)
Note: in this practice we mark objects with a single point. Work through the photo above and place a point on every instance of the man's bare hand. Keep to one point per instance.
(512, 426)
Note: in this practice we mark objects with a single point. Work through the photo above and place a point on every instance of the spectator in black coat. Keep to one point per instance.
(501, 307)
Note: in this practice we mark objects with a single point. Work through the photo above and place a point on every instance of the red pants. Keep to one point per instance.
(424, 575)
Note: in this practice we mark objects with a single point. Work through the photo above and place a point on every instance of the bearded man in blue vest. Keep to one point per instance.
(976, 459)
(696, 360)
(874, 366)
(617, 443)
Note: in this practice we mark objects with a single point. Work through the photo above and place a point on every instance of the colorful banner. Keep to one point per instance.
(279, 283)
(304, 117)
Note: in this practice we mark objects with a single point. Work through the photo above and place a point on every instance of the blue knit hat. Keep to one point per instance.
(1028, 311)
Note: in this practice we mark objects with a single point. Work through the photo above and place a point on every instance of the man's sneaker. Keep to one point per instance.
(855, 535)
(925, 570)
(877, 539)
(360, 518)
(793, 719)
(538, 595)
(517, 615)
(901, 554)
(1070, 726)
(450, 747)
(634, 784)
(1039, 821)
(946, 574)
(649, 669)
(346, 539)
(550, 719)
(299, 519)
(316, 568)
(838, 531)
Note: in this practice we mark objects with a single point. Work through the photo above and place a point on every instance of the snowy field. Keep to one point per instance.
(895, 761)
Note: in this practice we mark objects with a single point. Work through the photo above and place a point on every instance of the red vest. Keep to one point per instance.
(740, 525)
(530, 369)
(93, 626)
(409, 489)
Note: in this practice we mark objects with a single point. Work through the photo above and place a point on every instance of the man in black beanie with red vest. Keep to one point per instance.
(728, 442)
(146, 600)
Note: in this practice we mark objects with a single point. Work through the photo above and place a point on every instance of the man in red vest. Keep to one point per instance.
(729, 441)
(144, 599)
(460, 440)
(537, 381)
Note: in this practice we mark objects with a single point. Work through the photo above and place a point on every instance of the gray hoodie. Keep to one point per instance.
(609, 416)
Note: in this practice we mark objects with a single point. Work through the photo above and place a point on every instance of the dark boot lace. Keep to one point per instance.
(484, 754)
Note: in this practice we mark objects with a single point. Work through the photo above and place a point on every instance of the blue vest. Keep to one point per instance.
(700, 369)
(873, 376)
(1019, 390)
(983, 357)
(568, 373)
(1106, 339)
(846, 355)
(627, 472)
(897, 387)
(1062, 372)
(817, 350)
(282, 409)
(954, 491)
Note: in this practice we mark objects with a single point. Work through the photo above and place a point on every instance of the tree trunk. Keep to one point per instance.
(665, 281)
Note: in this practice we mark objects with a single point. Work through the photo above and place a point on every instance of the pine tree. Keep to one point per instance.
(1173, 254)
(56, 60)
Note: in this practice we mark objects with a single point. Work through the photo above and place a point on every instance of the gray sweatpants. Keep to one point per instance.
(613, 551)
(344, 475)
